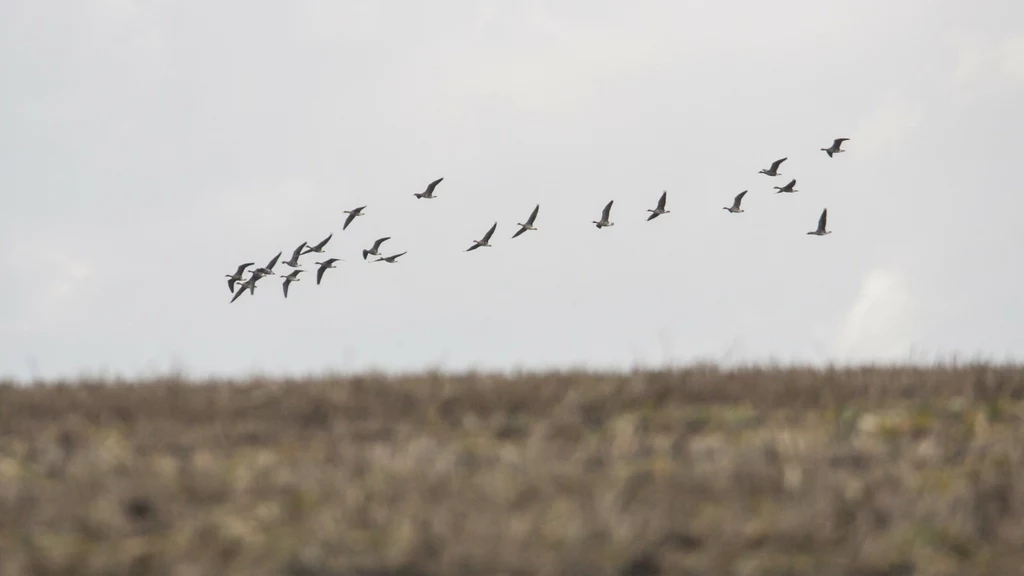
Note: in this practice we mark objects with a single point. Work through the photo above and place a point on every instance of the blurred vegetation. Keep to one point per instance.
(871, 471)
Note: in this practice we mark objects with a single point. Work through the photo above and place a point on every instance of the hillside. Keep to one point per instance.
(775, 471)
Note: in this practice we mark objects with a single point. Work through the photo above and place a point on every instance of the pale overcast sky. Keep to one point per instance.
(148, 147)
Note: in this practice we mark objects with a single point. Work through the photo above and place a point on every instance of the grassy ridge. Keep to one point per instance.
(782, 471)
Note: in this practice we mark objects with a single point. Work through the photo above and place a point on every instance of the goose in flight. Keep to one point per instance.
(774, 170)
(294, 261)
(319, 248)
(352, 216)
(429, 192)
(249, 285)
(389, 259)
(821, 224)
(529, 222)
(735, 208)
(237, 276)
(292, 277)
(835, 147)
(661, 207)
(485, 241)
(329, 263)
(374, 250)
(787, 187)
(268, 270)
(604, 216)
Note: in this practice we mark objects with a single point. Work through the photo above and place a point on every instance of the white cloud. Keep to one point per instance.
(887, 124)
(1012, 54)
(879, 325)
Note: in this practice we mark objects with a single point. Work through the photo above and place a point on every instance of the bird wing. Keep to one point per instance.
(320, 272)
(777, 163)
(284, 286)
(432, 185)
(325, 241)
(739, 198)
(652, 216)
(297, 252)
(487, 237)
(231, 284)
(380, 241)
(273, 262)
(607, 210)
(351, 217)
(238, 293)
(242, 268)
(791, 184)
(533, 215)
(473, 247)
(838, 141)
(822, 219)
(393, 258)
(520, 231)
(661, 201)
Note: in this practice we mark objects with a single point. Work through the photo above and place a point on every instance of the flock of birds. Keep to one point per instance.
(249, 284)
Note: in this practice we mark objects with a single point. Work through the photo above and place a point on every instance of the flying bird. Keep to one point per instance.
(268, 270)
(484, 241)
(237, 276)
(604, 216)
(352, 216)
(774, 170)
(319, 248)
(293, 277)
(821, 224)
(787, 187)
(374, 251)
(661, 207)
(249, 285)
(835, 147)
(429, 192)
(735, 208)
(529, 222)
(329, 263)
(294, 261)
(390, 259)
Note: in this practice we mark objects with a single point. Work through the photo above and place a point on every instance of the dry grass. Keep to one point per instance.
(751, 472)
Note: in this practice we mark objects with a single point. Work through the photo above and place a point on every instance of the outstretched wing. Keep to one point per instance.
(661, 201)
(273, 262)
(607, 210)
(298, 252)
(351, 217)
(838, 142)
(533, 216)
(822, 219)
(242, 268)
(240, 291)
(739, 198)
(473, 247)
(777, 163)
(379, 241)
(284, 286)
(320, 272)
(487, 237)
(432, 185)
(518, 232)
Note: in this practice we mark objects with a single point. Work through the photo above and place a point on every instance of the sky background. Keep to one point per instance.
(148, 147)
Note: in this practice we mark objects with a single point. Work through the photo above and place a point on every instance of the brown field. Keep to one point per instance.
(701, 471)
